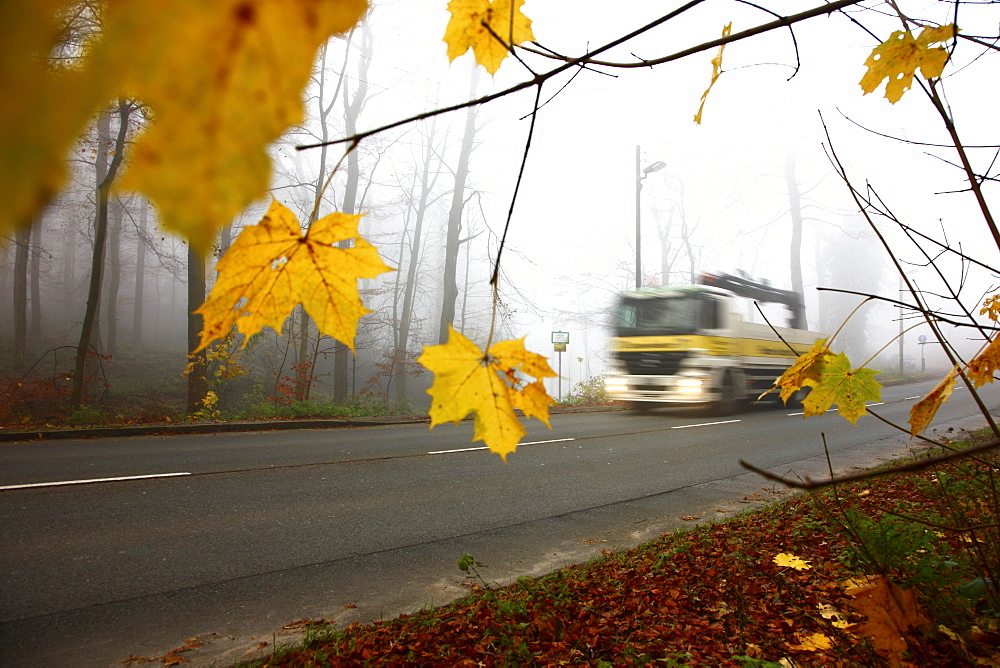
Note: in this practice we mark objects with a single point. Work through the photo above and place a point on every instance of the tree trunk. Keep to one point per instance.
(197, 381)
(100, 235)
(22, 237)
(352, 110)
(303, 377)
(427, 181)
(795, 208)
(114, 273)
(452, 242)
(36, 279)
(140, 273)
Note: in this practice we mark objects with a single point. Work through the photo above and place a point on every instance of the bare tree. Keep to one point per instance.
(419, 202)
(22, 240)
(140, 272)
(455, 213)
(104, 181)
(353, 106)
(197, 380)
(795, 211)
(114, 273)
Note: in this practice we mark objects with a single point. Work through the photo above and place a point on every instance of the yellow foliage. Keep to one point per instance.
(245, 64)
(273, 266)
(466, 31)
(43, 112)
(991, 307)
(814, 642)
(716, 71)
(898, 58)
(806, 367)
(834, 616)
(837, 382)
(490, 385)
(924, 410)
(223, 80)
(786, 560)
(986, 363)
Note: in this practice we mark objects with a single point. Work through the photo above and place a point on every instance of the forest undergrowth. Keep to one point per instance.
(148, 387)
(896, 571)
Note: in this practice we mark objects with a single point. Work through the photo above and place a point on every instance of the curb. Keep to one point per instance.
(225, 427)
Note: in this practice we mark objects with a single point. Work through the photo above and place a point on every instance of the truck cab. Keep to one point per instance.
(690, 345)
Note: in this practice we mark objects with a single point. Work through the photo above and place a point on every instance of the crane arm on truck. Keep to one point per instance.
(762, 292)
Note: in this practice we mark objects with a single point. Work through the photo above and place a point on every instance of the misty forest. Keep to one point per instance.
(101, 321)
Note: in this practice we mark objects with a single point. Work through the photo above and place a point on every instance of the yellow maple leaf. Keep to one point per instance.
(898, 58)
(44, 110)
(814, 642)
(490, 385)
(465, 30)
(806, 367)
(837, 382)
(786, 560)
(273, 266)
(924, 410)
(982, 368)
(223, 79)
(716, 72)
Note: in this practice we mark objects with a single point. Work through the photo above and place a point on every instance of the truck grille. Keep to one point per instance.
(652, 363)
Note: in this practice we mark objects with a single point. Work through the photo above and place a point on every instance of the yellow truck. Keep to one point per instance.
(691, 346)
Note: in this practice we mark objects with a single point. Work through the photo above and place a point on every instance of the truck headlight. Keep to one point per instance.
(690, 385)
(615, 384)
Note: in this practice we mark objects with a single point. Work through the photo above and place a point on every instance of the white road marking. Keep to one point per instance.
(60, 483)
(831, 410)
(704, 424)
(448, 452)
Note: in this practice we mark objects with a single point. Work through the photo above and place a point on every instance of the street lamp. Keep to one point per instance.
(639, 176)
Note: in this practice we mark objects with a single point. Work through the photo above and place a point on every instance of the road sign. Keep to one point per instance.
(560, 337)
(559, 347)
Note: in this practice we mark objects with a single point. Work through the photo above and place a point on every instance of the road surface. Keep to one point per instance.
(230, 537)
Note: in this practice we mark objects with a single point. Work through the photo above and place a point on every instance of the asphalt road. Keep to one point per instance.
(230, 537)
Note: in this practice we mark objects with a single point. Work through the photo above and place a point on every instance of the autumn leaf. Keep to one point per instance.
(489, 385)
(814, 642)
(834, 616)
(44, 110)
(983, 367)
(245, 64)
(898, 58)
(890, 613)
(991, 307)
(273, 266)
(837, 382)
(806, 367)
(465, 30)
(222, 79)
(786, 560)
(716, 72)
(924, 410)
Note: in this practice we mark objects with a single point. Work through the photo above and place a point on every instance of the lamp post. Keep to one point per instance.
(639, 176)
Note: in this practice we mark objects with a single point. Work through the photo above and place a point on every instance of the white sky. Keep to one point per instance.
(573, 230)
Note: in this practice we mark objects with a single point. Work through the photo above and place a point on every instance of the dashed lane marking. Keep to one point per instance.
(61, 483)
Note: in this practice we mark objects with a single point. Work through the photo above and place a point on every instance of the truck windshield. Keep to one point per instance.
(658, 315)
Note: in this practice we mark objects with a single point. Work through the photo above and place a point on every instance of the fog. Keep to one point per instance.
(720, 203)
